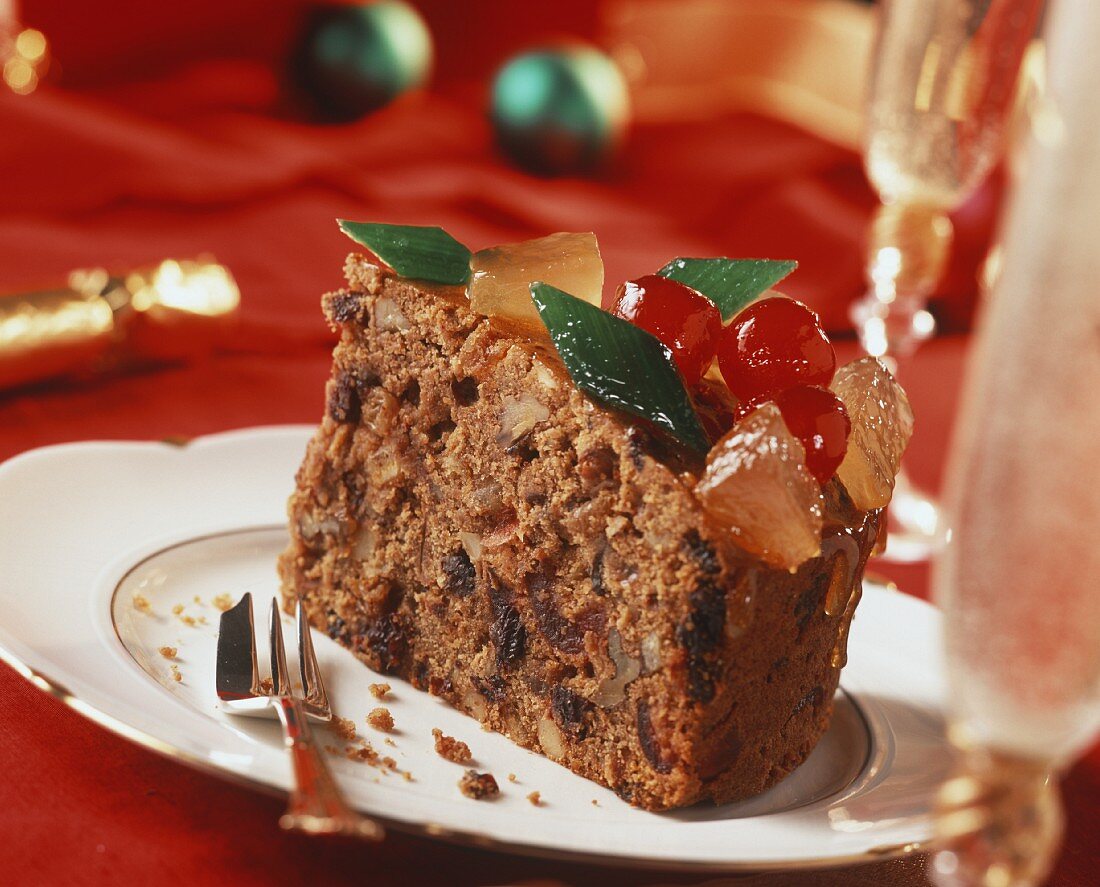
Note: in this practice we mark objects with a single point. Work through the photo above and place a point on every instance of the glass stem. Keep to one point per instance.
(908, 245)
(999, 823)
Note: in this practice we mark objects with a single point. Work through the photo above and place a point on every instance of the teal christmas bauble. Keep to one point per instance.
(560, 110)
(354, 58)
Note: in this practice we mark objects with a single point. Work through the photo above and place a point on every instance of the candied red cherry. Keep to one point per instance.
(774, 344)
(685, 321)
(818, 419)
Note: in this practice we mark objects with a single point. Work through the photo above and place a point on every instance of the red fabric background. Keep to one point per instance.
(168, 136)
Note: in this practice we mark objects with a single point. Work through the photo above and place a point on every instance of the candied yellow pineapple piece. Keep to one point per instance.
(501, 277)
(756, 484)
(882, 423)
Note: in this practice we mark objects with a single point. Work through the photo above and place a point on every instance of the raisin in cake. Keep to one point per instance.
(469, 520)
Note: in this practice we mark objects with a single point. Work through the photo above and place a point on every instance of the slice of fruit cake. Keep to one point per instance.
(575, 528)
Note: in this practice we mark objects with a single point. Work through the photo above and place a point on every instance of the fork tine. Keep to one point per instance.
(312, 684)
(280, 678)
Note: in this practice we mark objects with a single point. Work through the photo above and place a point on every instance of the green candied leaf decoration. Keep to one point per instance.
(729, 283)
(619, 364)
(415, 252)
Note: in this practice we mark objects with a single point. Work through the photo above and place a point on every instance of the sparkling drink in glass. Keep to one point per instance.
(1019, 579)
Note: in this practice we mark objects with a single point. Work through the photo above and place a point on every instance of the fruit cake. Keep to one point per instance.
(573, 526)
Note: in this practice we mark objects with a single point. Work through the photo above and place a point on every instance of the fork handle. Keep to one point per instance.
(316, 805)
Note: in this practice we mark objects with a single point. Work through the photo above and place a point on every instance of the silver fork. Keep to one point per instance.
(315, 805)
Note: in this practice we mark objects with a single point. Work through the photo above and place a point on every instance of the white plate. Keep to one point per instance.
(84, 527)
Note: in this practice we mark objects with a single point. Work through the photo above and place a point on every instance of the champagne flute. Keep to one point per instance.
(942, 84)
(1018, 577)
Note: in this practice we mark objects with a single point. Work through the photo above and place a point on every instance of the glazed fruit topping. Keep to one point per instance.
(757, 485)
(882, 423)
(502, 275)
(731, 284)
(374, 259)
(818, 419)
(423, 253)
(774, 344)
(620, 365)
(685, 321)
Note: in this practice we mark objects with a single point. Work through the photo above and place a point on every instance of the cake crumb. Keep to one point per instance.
(450, 748)
(267, 686)
(168, 652)
(381, 719)
(365, 752)
(379, 691)
(478, 786)
(511, 777)
(390, 742)
(141, 604)
(332, 749)
(535, 798)
(343, 727)
(223, 602)
(198, 600)
(176, 676)
(595, 803)
(177, 609)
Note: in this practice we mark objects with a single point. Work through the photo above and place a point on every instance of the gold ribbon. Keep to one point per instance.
(803, 61)
(173, 311)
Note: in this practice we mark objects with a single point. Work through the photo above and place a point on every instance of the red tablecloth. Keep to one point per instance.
(193, 161)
